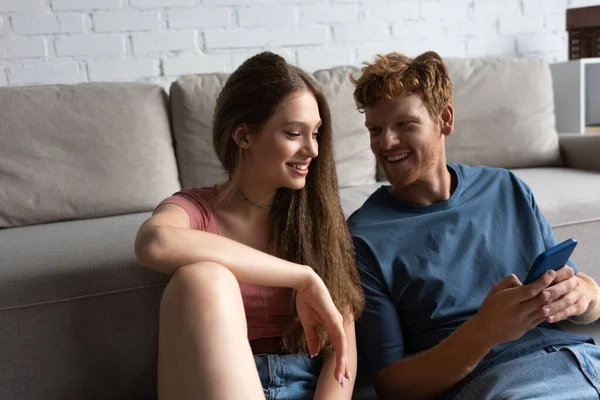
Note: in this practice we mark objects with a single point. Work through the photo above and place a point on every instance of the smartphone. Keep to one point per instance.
(554, 258)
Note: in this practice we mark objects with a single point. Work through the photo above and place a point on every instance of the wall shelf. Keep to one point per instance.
(576, 85)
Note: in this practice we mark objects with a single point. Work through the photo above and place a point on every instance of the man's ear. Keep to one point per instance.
(447, 120)
(240, 136)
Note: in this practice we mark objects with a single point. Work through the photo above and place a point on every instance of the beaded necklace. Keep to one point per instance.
(267, 206)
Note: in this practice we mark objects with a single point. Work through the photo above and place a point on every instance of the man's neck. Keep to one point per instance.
(435, 187)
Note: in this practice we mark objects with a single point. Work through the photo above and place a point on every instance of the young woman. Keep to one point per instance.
(263, 261)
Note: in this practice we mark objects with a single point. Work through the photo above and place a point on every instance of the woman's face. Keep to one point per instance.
(282, 151)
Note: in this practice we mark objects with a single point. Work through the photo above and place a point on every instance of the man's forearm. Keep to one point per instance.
(434, 371)
(593, 312)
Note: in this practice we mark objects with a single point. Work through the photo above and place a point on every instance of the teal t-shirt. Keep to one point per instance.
(426, 269)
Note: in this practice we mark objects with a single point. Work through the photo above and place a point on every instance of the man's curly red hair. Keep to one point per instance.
(389, 75)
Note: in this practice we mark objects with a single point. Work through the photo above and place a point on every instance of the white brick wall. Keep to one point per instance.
(261, 16)
(15, 47)
(361, 32)
(234, 38)
(163, 42)
(122, 69)
(89, 45)
(196, 64)
(71, 23)
(32, 24)
(64, 41)
(328, 14)
(518, 25)
(84, 5)
(51, 71)
(199, 18)
(298, 36)
(20, 5)
(119, 21)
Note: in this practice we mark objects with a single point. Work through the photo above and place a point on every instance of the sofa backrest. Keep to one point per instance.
(504, 117)
(83, 151)
(354, 160)
(193, 99)
(504, 113)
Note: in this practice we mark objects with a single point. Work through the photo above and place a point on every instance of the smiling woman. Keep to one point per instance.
(283, 147)
(257, 273)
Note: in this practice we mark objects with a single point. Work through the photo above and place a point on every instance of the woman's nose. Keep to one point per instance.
(311, 147)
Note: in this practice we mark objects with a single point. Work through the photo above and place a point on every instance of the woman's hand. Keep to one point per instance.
(315, 306)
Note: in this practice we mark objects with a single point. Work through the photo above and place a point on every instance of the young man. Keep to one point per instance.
(442, 253)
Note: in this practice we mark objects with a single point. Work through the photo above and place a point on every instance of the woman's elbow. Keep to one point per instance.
(149, 245)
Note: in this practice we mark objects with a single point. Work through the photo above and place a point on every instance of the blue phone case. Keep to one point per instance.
(553, 258)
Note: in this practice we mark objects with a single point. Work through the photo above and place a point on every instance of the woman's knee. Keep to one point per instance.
(204, 283)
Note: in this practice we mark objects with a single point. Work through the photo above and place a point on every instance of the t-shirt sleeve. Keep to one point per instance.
(379, 332)
(548, 235)
(195, 204)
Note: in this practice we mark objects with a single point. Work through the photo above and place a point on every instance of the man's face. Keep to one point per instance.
(406, 140)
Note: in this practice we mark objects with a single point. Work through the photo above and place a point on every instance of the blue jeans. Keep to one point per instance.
(288, 376)
(557, 372)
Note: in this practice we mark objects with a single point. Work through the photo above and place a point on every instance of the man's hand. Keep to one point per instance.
(511, 309)
(568, 296)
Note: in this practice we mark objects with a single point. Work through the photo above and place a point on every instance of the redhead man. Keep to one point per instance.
(442, 253)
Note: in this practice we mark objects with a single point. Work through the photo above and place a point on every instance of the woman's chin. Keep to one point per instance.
(295, 184)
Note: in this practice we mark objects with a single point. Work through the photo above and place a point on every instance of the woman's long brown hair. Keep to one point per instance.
(308, 224)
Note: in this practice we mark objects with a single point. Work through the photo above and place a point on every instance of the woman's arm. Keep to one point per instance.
(165, 243)
(327, 387)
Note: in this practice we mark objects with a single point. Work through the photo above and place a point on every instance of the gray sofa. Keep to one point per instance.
(82, 166)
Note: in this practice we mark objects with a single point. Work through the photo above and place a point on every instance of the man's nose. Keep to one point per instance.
(388, 139)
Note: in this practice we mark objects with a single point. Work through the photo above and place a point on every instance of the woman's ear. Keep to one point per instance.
(240, 136)
(447, 119)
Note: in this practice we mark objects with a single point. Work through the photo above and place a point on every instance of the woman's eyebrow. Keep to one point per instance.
(302, 123)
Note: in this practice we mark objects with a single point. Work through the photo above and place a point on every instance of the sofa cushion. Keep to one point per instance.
(354, 197)
(78, 314)
(354, 160)
(83, 151)
(66, 260)
(504, 113)
(193, 99)
(565, 196)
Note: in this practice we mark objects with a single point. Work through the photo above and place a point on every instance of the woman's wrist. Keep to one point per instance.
(307, 277)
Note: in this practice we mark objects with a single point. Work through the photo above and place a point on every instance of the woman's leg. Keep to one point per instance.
(203, 348)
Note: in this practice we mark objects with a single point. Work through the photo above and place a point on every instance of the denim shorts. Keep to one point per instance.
(288, 376)
(556, 372)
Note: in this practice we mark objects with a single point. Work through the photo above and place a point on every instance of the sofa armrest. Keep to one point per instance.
(580, 151)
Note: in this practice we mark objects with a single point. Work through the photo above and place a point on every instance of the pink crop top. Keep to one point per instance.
(267, 308)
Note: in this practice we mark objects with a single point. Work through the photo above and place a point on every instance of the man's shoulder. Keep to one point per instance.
(478, 171)
(483, 175)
